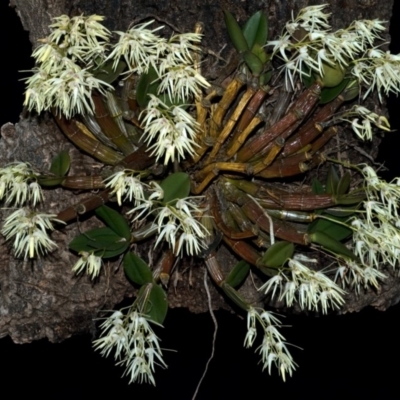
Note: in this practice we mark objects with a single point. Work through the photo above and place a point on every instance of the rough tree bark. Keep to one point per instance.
(43, 298)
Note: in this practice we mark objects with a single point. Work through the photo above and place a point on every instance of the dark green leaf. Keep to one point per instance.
(60, 164)
(336, 231)
(176, 186)
(238, 274)
(157, 305)
(265, 78)
(148, 84)
(329, 94)
(107, 73)
(344, 183)
(103, 242)
(317, 187)
(332, 181)
(331, 244)
(253, 62)
(235, 296)
(115, 221)
(235, 33)
(278, 254)
(50, 181)
(137, 270)
(255, 30)
(307, 77)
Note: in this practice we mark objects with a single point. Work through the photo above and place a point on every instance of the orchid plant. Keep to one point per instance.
(191, 164)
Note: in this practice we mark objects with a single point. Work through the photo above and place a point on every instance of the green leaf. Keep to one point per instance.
(107, 73)
(334, 230)
(60, 164)
(277, 254)
(50, 181)
(330, 93)
(261, 53)
(265, 78)
(115, 221)
(255, 30)
(157, 305)
(317, 187)
(137, 270)
(331, 244)
(176, 186)
(344, 183)
(238, 274)
(253, 62)
(235, 33)
(103, 242)
(148, 84)
(332, 181)
(307, 77)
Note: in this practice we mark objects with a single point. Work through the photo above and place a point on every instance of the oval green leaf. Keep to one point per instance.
(238, 274)
(107, 73)
(255, 30)
(317, 187)
(277, 254)
(103, 242)
(60, 164)
(157, 305)
(176, 186)
(148, 84)
(331, 244)
(330, 93)
(49, 181)
(344, 183)
(137, 270)
(115, 221)
(235, 33)
(332, 181)
(253, 62)
(334, 230)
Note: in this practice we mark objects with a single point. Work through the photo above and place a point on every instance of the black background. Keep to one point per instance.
(351, 356)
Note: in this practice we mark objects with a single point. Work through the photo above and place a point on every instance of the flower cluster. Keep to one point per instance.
(354, 275)
(171, 59)
(88, 261)
(376, 234)
(363, 129)
(308, 44)
(29, 230)
(273, 349)
(134, 343)
(311, 289)
(18, 184)
(171, 129)
(126, 184)
(60, 81)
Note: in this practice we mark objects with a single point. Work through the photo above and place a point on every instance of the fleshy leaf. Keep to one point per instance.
(277, 254)
(255, 30)
(344, 183)
(238, 274)
(330, 93)
(137, 270)
(336, 231)
(157, 305)
(317, 187)
(235, 33)
(332, 181)
(176, 186)
(148, 84)
(331, 244)
(107, 73)
(60, 164)
(50, 181)
(253, 62)
(115, 221)
(103, 242)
